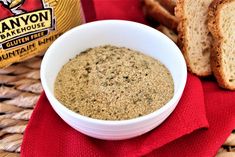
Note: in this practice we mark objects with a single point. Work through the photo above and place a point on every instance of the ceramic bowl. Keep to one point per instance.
(119, 33)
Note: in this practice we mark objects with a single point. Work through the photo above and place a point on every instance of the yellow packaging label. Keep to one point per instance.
(28, 27)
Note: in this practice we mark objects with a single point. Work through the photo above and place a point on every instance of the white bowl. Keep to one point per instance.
(120, 33)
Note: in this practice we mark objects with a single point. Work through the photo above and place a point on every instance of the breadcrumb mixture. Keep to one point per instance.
(113, 83)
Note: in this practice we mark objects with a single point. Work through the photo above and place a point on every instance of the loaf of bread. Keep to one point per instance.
(222, 26)
(161, 11)
(194, 38)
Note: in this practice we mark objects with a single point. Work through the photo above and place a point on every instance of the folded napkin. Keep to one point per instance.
(48, 135)
(184, 133)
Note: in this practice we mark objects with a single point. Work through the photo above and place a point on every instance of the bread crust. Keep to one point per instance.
(182, 40)
(156, 11)
(216, 54)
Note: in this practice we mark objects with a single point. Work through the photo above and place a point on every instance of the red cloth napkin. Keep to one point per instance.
(184, 133)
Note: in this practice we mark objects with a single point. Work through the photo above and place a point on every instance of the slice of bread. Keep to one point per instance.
(156, 11)
(194, 38)
(222, 26)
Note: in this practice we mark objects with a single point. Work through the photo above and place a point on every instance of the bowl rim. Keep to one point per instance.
(54, 102)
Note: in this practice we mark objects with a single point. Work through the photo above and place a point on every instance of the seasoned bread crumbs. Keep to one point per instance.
(113, 83)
